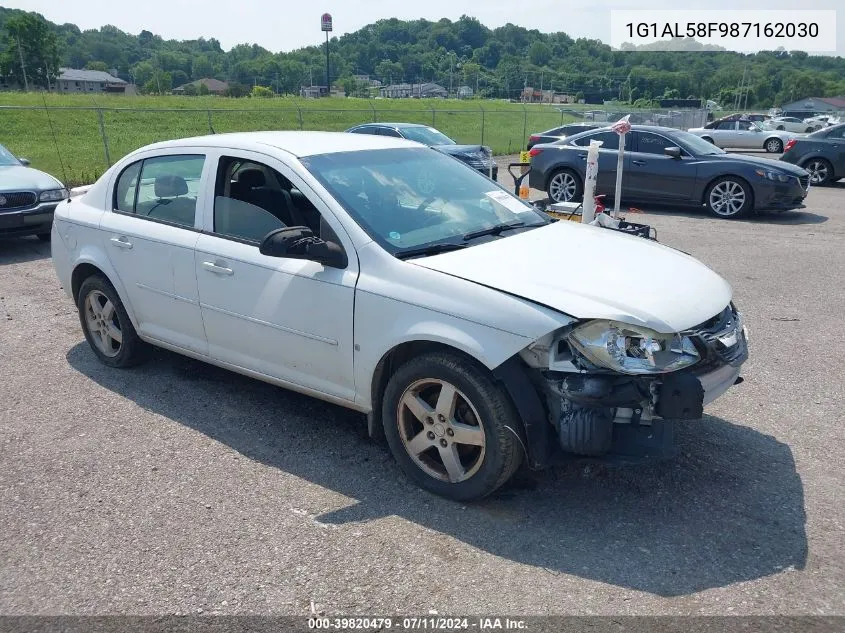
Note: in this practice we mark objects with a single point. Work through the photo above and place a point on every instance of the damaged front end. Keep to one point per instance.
(612, 389)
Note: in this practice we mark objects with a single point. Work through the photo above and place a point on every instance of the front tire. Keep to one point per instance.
(708, 139)
(729, 197)
(774, 146)
(565, 186)
(106, 325)
(821, 171)
(449, 426)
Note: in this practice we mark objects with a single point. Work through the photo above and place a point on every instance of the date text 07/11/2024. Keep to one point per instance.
(723, 29)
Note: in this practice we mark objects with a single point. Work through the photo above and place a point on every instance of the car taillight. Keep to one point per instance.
(533, 137)
(534, 152)
(789, 144)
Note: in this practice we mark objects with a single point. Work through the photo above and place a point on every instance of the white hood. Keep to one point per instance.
(594, 273)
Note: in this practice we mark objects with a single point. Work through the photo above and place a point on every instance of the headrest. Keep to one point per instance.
(251, 178)
(170, 186)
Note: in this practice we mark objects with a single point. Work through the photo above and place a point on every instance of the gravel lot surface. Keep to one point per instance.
(177, 487)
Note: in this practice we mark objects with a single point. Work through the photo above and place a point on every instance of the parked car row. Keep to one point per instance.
(671, 167)
(742, 134)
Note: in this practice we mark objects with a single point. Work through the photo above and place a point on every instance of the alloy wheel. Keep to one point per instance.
(727, 198)
(818, 171)
(773, 145)
(441, 430)
(103, 323)
(563, 187)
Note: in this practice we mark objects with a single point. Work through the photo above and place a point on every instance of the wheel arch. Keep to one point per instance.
(90, 264)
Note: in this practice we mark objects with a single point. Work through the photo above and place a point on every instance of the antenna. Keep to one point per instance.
(55, 142)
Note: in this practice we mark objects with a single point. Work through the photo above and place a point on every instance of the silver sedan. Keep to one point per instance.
(743, 135)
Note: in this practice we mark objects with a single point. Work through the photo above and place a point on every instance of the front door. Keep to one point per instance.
(290, 319)
(652, 175)
(150, 236)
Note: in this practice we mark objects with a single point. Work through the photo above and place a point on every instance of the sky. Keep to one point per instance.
(284, 25)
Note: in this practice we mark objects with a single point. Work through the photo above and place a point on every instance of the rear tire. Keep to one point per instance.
(449, 426)
(779, 127)
(729, 197)
(821, 171)
(565, 185)
(774, 146)
(106, 325)
(809, 129)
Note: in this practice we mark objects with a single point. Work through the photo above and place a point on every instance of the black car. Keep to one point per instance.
(668, 166)
(821, 153)
(479, 157)
(560, 133)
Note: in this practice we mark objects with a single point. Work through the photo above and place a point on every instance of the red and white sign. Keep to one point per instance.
(326, 22)
(622, 126)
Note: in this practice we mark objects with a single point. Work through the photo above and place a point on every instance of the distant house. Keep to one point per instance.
(464, 92)
(426, 90)
(215, 86)
(313, 92)
(813, 105)
(72, 80)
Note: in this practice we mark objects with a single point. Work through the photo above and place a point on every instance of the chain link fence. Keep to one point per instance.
(78, 143)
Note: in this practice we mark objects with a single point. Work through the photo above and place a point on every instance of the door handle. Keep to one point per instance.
(217, 269)
(638, 162)
(121, 242)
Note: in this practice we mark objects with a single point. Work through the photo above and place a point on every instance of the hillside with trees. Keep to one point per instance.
(496, 63)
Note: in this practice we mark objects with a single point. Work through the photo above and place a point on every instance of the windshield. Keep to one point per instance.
(410, 198)
(7, 158)
(426, 136)
(697, 145)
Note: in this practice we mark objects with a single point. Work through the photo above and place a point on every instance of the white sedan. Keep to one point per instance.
(788, 124)
(390, 278)
(738, 134)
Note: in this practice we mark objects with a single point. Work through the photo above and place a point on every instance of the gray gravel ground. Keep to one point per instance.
(177, 487)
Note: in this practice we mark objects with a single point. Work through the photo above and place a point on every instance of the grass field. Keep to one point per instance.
(64, 138)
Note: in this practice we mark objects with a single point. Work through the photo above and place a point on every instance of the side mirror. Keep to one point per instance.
(674, 152)
(299, 242)
(24, 162)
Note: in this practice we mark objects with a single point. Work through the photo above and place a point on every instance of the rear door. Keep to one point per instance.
(150, 236)
(608, 159)
(652, 175)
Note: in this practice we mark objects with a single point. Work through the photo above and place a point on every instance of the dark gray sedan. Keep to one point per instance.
(27, 198)
(479, 157)
(821, 153)
(668, 166)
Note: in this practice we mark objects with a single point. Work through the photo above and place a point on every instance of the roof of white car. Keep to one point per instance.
(297, 143)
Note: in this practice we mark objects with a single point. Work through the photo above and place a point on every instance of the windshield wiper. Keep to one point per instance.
(493, 230)
(432, 249)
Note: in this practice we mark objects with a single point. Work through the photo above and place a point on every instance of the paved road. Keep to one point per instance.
(177, 487)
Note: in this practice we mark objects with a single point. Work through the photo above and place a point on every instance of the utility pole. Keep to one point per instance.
(23, 66)
(326, 25)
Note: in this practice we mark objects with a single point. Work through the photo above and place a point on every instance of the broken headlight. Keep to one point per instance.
(630, 349)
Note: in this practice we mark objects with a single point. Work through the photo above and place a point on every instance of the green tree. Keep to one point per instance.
(539, 53)
(160, 83)
(201, 67)
(97, 66)
(31, 57)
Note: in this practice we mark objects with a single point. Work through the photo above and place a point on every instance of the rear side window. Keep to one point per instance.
(610, 140)
(127, 185)
(163, 188)
(649, 143)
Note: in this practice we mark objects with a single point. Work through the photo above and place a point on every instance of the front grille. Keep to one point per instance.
(710, 338)
(16, 200)
(805, 182)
